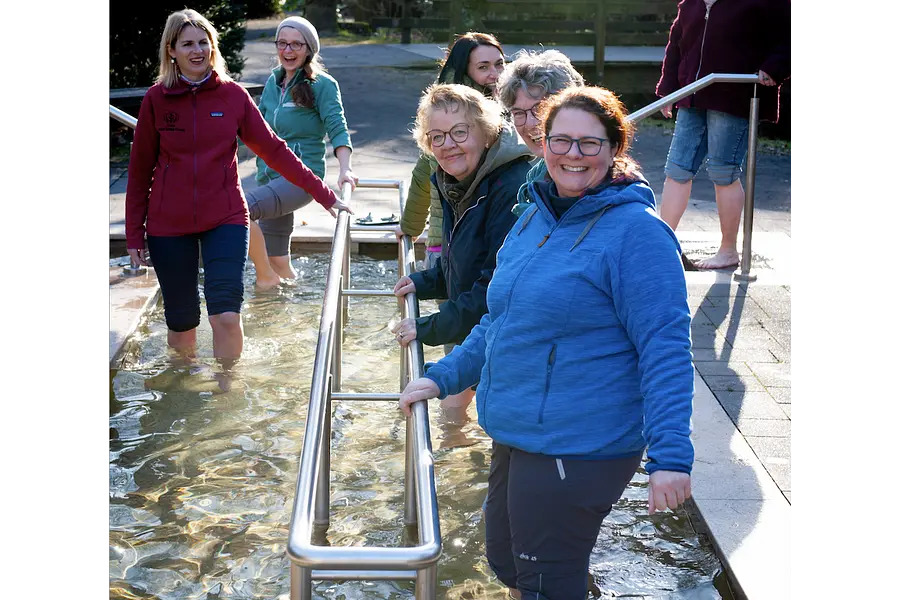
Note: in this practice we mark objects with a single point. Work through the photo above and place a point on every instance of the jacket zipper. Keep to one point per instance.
(509, 302)
(162, 194)
(702, 41)
(551, 360)
(275, 121)
(452, 230)
(194, 105)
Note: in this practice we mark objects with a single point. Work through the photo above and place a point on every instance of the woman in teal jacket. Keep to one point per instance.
(583, 360)
(301, 103)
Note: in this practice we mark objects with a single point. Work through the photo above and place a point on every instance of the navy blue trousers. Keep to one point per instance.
(176, 260)
(542, 517)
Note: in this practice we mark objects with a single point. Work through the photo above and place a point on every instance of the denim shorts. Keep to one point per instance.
(701, 134)
(176, 260)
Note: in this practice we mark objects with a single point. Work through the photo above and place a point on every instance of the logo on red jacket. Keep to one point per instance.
(171, 118)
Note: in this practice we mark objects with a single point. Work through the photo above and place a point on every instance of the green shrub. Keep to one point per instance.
(136, 28)
(260, 9)
(355, 27)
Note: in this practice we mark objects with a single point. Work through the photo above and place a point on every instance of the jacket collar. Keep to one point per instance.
(181, 87)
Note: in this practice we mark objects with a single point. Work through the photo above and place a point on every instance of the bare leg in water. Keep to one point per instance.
(266, 276)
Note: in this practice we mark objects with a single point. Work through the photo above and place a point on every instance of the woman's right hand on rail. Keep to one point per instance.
(138, 256)
(418, 389)
(338, 206)
(666, 111)
(404, 286)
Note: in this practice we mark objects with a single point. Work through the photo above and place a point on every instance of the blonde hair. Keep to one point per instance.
(177, 21)
(486, 114)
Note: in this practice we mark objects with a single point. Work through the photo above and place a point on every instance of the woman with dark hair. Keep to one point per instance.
(301, 103)
(474, 60)
(584, 366)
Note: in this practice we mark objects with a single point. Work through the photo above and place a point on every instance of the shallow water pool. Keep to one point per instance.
(202, 481)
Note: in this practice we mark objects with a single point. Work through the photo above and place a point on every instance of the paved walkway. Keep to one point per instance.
(741, 332)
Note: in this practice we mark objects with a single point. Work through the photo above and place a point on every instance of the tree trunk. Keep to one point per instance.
(322, 14)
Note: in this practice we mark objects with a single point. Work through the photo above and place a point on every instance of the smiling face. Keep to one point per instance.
(292, 58)
(573, 172)
(523, 118)
(485, 65)
(458, 159)
(192, 53)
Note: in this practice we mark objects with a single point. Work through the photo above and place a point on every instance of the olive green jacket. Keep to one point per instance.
(423, 202)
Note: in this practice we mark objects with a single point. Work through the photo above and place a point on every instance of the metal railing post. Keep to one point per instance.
(345, 274)
(301, 583)
(322, 518)
(426, 583)
(749, 191)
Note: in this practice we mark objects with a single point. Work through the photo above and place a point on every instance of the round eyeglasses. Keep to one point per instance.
(521, 116)
(295, 46)
(458, 133)
(588, 146)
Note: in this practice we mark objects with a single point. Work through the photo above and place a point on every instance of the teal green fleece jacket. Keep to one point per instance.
(585, 350)
(303, 128)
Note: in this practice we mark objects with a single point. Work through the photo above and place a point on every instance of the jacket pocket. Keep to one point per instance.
(162, 190)
(551, 360)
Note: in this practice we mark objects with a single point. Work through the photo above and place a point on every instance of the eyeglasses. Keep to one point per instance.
(588, 146)
(521, 116)
(295, 46)
(458, 133)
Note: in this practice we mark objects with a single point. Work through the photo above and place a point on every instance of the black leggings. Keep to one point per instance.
(542, 516)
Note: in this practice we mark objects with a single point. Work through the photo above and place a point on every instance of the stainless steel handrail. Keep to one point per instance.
(122, 117)
(750, 188)
(311, 505)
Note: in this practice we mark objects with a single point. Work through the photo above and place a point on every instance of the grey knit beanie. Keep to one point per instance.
(306, 28)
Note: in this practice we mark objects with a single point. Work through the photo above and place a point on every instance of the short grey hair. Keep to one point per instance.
(549, 70)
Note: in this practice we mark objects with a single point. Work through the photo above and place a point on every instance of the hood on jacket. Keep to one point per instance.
(508, 147)
(612, 192)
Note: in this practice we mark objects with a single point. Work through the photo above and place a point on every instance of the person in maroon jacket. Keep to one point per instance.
(184, 191)
(720, 36)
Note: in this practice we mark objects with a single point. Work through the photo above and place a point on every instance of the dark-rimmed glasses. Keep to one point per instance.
(588, 146)
(521, 116)
(295, 46)
(458, 133)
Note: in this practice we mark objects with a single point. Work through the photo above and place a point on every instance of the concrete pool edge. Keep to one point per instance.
(736, 503)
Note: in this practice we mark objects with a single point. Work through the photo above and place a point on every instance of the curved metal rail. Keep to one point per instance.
(311, 505)
(750, 188)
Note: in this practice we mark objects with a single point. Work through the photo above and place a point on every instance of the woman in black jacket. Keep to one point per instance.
(481, 165)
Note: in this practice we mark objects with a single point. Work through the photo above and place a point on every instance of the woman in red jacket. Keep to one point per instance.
(184, 191)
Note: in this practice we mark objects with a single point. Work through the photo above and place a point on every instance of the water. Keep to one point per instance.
(201, 481)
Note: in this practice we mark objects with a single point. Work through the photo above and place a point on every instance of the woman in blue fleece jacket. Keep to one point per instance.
(583, 360)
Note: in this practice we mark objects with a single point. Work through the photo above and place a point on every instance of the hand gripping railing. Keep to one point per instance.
(750, 188)
(310, 516)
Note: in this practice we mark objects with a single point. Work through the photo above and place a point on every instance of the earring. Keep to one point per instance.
(173, 60)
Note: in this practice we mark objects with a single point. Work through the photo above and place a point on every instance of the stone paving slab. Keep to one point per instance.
(129, 298)
(577, 54)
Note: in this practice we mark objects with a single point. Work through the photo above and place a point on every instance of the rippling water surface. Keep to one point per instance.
(201, 480)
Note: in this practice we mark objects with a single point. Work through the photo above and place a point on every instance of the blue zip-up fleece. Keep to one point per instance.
(585, 351)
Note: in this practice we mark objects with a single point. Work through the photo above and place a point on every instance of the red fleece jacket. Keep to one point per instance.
(183, 175)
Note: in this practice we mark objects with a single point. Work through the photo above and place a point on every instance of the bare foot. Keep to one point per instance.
(722, 260)
(267, 283)
(289, 273)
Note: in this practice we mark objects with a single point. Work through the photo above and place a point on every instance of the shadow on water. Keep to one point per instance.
(202, 481)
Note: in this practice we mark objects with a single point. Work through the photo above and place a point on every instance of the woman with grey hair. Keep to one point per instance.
(523, 85)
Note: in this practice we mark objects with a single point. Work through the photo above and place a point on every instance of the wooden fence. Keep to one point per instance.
(597, 23)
